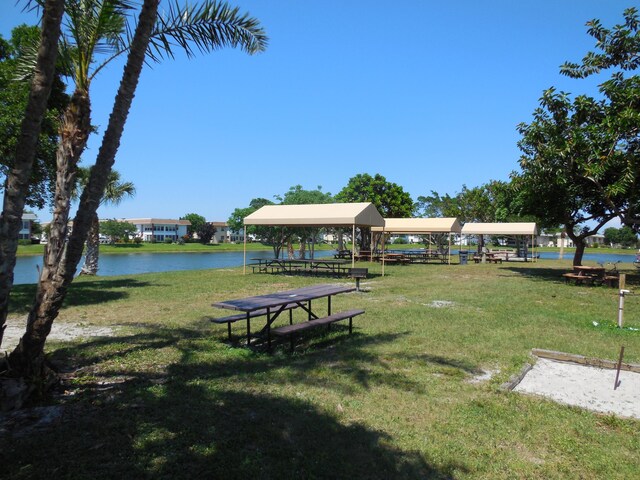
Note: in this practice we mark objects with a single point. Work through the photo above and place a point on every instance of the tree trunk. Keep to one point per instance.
(27, 360)
(17, 182)
(92, 254)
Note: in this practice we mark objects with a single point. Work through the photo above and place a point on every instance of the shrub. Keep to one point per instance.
(168, 240)
(137, 240)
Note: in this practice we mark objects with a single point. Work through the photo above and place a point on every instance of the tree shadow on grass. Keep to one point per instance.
(545, 274)
(212, 414)
(86, 292)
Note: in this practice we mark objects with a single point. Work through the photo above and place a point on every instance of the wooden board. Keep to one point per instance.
(589, 361)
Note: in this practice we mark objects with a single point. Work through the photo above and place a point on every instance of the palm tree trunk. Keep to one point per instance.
(92, 254)
(27, 360)
(17, 182)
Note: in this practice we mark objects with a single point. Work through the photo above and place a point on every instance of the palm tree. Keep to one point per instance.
(114, 193)
(209, 26)
(17, 182)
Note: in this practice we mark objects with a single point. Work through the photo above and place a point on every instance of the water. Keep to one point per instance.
(127, 264)
(26, 270)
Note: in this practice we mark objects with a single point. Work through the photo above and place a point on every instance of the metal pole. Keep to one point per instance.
(244, 253)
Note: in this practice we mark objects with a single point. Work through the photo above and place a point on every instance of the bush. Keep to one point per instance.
(137, 240)
(168, 240)
(24, 242)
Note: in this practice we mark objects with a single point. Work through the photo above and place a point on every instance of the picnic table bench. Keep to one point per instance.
(292, 329)
(243, 316)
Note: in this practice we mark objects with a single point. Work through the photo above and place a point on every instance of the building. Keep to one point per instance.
(27, 226)
(555, 240)
(159, 229)
(225, 235)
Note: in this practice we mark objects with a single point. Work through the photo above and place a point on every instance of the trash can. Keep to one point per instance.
(464, 256)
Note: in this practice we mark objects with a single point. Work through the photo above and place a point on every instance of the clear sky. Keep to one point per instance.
(426, 93)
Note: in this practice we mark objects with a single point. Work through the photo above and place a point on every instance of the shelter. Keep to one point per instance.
(425, 226)
(523, 229)
(316, 215)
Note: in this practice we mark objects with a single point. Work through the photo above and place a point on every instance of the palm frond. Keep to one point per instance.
(206, 27)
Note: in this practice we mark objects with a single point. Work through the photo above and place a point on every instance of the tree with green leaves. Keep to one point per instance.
(624, 236)
(495, 201)
(13, 99)
(580, 163)
(197, 222)
(117, 230)
(389, 198)
(115, 192)
(208, 26)
(305, 236)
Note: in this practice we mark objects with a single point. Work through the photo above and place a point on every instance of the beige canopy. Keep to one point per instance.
(518, 229)
(419, 225)
(499, 229)
(316, 215)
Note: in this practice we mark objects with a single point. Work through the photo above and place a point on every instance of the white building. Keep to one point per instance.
(225, 235)
(159, 229)
(27, 222)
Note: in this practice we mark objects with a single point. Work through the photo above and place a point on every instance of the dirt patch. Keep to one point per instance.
(59, 331)
(584, 386)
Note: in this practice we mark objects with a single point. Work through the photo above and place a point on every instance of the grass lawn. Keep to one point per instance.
(168, 397)
(27, 250)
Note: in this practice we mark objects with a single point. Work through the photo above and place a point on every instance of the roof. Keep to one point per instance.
(499, 229)
(29, 216)
(317, 215)
(157, 221)
(420, 225)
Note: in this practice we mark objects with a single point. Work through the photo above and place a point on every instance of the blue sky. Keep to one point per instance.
(426, 93)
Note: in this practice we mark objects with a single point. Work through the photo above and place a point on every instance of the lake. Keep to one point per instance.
(26, 270)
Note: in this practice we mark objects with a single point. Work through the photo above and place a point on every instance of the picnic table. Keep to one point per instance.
(489, 257)
(268, 308)
(291, 265)
(396, 258)
(585, 274)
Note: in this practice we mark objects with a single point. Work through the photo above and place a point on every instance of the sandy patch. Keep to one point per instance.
(59, 331)
(584, 386)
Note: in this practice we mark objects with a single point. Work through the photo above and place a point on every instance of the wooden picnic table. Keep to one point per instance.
(271, 305)
(585, 274)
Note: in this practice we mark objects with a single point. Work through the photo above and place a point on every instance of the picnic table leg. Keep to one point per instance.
(329, 305)
(268, 329)
(248, 330)
(229, 330)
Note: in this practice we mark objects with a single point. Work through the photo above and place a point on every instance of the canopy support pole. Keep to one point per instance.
(353, 246)
(244, 253)
(384, 248)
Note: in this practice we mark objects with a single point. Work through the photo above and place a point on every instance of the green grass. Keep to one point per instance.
(26, 250)
(168, 397)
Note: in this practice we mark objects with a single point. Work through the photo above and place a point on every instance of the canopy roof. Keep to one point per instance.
(420, 225)
(499, 229)
(317, 215)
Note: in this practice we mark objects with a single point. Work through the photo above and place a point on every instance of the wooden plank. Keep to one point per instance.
(582, 360)
(297, 327)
